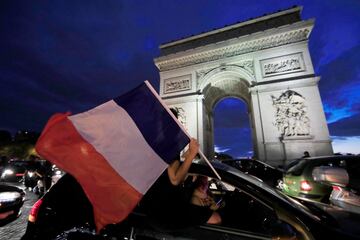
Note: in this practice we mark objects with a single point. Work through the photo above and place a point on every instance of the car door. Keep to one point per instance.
(243, 217)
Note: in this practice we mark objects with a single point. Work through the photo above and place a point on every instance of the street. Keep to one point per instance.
(16, 229)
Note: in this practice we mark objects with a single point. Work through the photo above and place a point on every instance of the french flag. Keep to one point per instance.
(116, 151)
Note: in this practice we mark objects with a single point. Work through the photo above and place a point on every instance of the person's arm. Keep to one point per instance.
(38, 174)
(176, 171)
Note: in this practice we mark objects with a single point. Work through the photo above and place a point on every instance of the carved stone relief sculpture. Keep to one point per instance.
(247, 65)
(177, 85)
(291, 114)
(282, 65)
(181, 116)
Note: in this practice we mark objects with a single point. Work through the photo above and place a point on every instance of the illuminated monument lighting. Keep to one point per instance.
(264, 61)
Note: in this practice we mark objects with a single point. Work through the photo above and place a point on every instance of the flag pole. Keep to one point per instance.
(181, 126)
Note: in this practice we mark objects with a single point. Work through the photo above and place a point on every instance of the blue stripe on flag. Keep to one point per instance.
(156, 125)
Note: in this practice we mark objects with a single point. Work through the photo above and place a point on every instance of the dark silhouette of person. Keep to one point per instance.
(306, 154)
(168, 207)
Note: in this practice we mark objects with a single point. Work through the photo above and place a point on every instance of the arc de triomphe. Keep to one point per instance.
(266, 63)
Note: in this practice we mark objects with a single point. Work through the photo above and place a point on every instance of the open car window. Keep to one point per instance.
(243, 212)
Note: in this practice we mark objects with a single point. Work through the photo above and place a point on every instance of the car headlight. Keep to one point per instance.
(7, 172)
(9, 196)
(58, 172)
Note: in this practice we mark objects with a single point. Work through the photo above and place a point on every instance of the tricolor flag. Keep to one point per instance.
(116, 151)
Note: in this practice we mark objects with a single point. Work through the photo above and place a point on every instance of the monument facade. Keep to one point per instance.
(266, 63)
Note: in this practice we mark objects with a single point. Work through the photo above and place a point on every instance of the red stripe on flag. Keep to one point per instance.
(111, 196)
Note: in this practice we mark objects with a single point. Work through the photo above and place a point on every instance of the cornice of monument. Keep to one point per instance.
(288, 34)
(237, 25)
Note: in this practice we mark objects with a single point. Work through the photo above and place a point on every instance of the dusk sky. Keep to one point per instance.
(58, 56)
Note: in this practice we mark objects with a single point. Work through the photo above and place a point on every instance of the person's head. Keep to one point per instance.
(306, 154)
(202, 183)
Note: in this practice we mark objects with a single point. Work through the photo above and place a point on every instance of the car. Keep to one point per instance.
(298, 181)
(267, 173)
(252, 210)
(11, 200)
(342, 195)
(14, 171)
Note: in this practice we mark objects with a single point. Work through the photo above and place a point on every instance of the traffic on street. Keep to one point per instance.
(252, 207)
(16, 229)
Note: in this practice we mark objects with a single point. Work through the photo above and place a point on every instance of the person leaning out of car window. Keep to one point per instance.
(168, 207)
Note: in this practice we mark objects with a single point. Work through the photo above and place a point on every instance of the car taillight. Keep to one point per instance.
(336, 188)
(305, 186)
(34, 211)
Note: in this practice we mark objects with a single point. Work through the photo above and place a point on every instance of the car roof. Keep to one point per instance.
(202, 167)
(330, 158)
(252, 160)
(5, 187)
(334, 157)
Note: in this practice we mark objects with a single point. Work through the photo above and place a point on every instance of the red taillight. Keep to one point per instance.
(336, 188)
(34, 211)
(305, 186)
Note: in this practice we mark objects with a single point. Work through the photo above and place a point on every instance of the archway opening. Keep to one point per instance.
(232, 132)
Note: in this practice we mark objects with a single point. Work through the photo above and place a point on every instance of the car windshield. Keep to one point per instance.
(297, 169)
(20, 165)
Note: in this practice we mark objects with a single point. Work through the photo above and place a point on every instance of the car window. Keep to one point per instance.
(353, 169)
(333, 163)
(342, 163)
(243, 212)
(336, 163)
(18, 165)
(297, 169)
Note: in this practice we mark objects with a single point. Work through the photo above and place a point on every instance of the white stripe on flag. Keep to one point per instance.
(112, 132)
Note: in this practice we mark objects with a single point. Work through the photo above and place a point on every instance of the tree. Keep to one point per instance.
(5, 137)
(22, 147)
(26, 136)
(18, 150)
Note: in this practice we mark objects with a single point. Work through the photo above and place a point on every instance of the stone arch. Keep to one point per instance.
(220, 83)
(247, 123)
(259, 61)
(225, 81)
(226, 87)
(225, 72)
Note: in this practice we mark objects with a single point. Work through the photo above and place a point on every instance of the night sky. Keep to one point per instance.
(58, 56)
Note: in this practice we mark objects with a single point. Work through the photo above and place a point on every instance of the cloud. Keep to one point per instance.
(340, 86)
(236, 142)
(346, 144)
(220, 149)
(335, 32)
(72, 55)
(346, 127)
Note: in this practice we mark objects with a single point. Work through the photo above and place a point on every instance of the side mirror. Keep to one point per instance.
(331, 175)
